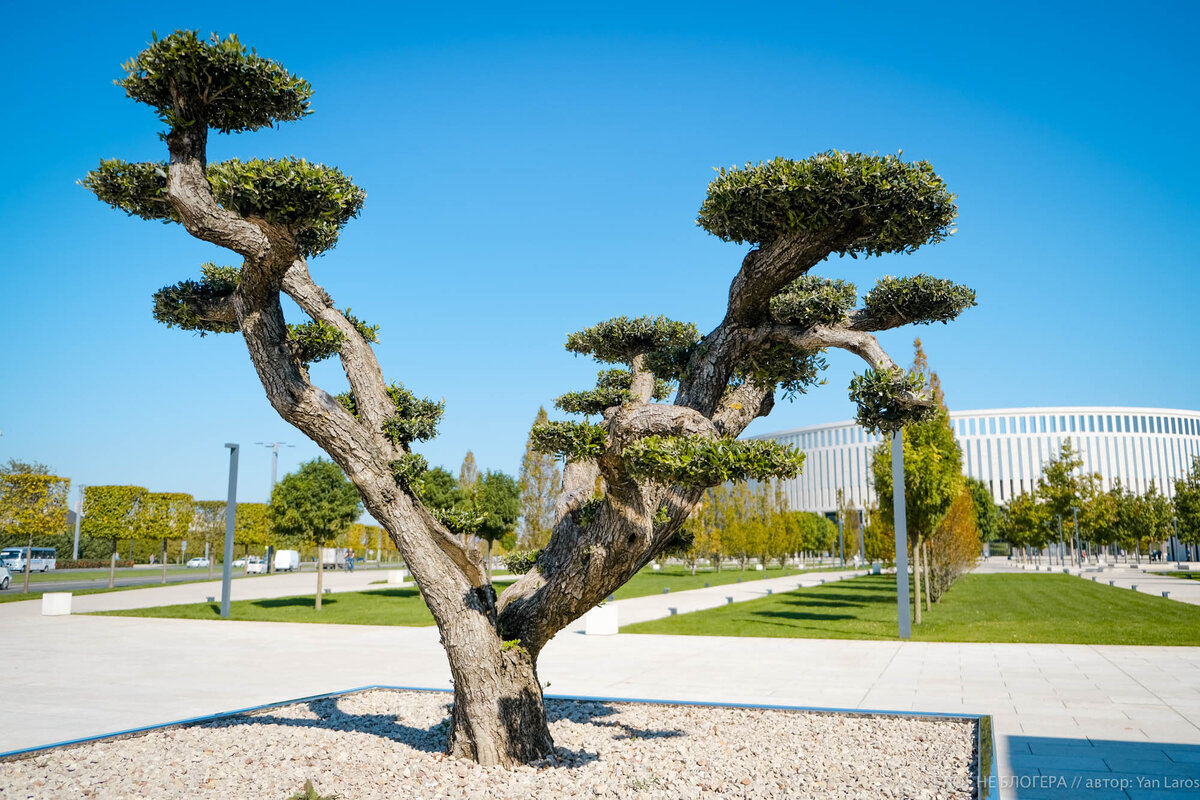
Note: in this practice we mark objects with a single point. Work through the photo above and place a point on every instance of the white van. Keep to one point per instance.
(44, 559)
(287, 560)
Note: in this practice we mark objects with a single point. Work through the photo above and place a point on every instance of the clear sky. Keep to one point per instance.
(531, 172)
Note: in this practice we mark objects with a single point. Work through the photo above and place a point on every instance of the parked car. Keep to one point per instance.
(239, 562)
(256, 566)
(5, 578)
(198, 561)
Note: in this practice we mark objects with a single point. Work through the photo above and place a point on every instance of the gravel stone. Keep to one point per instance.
(387, 745)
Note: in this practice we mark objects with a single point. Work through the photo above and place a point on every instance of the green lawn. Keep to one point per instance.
(383, 607)
(680, 579)
(1192, 576)
(978, 608)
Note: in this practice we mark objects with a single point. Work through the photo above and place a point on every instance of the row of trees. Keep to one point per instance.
(942, 507)
(1118, 518)
(742, 521)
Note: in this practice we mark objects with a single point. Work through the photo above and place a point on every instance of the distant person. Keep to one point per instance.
(350, 560)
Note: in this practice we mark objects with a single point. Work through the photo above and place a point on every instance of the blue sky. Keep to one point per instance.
(530, 173)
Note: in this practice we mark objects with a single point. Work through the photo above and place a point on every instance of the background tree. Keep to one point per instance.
(165, 516)
(987, 513)
(314, 505)
(1064, 486)
(111, 512)
(439, 490)
(652, 460)
(32, 505)
(1025, 523)
(208, 529)
(468, 474)
(497, 500)
(539, 482)
(251, 527)
(1187, 505)
(932, 476)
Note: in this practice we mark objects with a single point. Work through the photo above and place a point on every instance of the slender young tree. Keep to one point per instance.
(1187, 505)
(539, 482)
(650, 460)
(314, 505)
(208, 528)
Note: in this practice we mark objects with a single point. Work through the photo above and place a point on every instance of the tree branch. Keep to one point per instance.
(358, 358)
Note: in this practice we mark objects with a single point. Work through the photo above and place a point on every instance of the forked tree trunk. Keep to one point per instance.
(925, 561)
(164, 560)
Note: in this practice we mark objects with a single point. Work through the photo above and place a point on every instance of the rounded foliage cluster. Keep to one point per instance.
(416, 419)
(314, 200)
(920, 299)
(612, 389)
(619, 339)
(871, 204)
(700, 463)
(183, 305)
(792, 368)
(885, 399)
(139, 190)
(570, 441)
(218, 83)
(810, 300)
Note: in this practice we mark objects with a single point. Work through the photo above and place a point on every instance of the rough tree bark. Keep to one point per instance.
(493, 643)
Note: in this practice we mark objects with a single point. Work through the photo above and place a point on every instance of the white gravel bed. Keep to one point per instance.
(386, 744)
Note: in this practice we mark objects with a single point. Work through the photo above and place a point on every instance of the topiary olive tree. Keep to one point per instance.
(637, 470)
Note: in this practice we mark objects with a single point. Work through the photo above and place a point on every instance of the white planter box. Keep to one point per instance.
(601, 620)
(56, 604)
(396, 577)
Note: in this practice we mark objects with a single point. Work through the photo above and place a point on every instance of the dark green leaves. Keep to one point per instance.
(310, 199)
(316, 341)
(810, 300)
(415, 419)
(200, 305)
(314, 200)
(869, 204)
(793, 368)
(139, 190)
(571, 441)
(521, 561)
(408, 469)
(612, 389)
(920, 299)
(619, 339)
(884, 399)
(217, 83)
(699, 463)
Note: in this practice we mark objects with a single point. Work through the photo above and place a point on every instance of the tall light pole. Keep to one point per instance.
(862, 543)
(841, 543)
(230, 521)
(901, 526)
(78, 516)
(274, 474)
(1078, 556)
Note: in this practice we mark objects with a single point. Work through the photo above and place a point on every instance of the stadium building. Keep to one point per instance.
(1006, 448)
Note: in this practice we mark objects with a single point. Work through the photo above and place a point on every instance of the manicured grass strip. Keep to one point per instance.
(383, 607)
(978, 608)
(681, 579)
(1192, 576)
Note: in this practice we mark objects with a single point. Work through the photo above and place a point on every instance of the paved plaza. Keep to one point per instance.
(1069, 718)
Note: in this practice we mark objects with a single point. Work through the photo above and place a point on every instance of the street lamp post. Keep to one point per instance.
(230, 520)
(274, 446)
(78, 516)
(1078, 555)
(1060, 541)
(901, 526)
(841, 543)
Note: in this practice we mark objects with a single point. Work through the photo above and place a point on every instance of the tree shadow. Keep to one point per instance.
(802, 615)
(292, 602)
(593, 713)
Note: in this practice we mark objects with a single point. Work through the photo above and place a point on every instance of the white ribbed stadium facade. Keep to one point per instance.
(1006, 448)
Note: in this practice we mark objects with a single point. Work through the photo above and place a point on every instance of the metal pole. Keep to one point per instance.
(901, 526)
(862, 545)
(1060, 541)
(230, 519)
(78, 516)
(1078, 557)
(841, 544)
